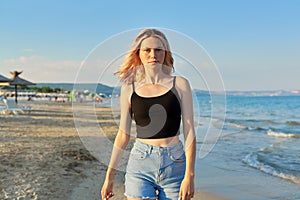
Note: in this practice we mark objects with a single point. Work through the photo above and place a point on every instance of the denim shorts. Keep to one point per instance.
(155, 172)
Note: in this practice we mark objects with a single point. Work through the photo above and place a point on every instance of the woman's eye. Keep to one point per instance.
(155, 50)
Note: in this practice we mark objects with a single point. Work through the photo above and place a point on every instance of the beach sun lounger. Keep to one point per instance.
(12, 107)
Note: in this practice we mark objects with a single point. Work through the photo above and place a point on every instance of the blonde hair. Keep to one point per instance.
(132, 68)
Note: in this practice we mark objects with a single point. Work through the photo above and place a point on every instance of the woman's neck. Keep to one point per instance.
(154, 75)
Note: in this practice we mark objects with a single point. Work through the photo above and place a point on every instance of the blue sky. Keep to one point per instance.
(255, 44)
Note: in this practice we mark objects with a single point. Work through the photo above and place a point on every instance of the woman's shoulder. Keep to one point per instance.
(126, 88)
(182, 86)
(181, 82)
(126, 92)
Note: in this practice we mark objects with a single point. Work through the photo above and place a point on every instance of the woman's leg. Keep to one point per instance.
(141, 173)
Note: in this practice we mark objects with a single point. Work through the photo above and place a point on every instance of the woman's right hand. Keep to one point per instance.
(107, 189)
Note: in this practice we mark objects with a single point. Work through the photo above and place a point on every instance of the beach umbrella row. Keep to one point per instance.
(15, 81)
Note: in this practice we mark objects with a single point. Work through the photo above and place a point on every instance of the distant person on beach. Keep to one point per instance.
(159, 165)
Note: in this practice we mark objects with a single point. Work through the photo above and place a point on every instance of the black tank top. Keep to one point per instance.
(156, 117)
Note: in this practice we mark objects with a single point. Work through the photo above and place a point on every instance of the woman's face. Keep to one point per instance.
(152, 51)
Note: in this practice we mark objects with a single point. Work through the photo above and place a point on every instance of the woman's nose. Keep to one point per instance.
(152, 53)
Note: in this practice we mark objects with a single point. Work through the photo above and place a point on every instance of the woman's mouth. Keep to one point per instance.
(153, 62)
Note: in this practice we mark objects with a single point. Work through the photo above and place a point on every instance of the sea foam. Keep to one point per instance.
(253, 161)
(282, 134)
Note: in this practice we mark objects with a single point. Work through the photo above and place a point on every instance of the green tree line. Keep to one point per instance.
(44, 89)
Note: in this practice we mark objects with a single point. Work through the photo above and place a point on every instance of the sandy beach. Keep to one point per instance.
(42, 156)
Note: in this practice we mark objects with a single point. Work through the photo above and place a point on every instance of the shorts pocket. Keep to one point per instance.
(177, 155)
(138, 154)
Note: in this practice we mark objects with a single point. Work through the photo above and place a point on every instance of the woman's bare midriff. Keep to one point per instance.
(162, 142)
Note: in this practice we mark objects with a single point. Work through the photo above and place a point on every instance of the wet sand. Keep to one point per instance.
(42, 156)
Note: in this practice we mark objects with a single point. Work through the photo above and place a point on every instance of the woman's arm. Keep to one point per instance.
(187, 186)
(120, 143)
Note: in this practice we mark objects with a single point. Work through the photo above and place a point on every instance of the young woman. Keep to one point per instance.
(159, 167)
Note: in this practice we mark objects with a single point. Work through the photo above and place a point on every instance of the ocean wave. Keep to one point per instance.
(244, 127)
(293, 123)
(268, 121)
(253, 161)
(282, 134)
(236, 125)
(251, 124)
(249, 128)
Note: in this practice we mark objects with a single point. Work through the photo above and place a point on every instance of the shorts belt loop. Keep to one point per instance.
(150, 149)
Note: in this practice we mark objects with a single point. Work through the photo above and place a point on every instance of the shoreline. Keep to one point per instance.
(42, 156)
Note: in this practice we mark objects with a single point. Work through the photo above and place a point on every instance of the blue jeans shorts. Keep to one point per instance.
(155, 172)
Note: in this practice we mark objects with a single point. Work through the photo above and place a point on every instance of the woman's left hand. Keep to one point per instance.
(187, 189)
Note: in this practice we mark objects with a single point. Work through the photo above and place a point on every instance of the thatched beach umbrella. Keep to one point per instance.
(16, 80)
(3, 79)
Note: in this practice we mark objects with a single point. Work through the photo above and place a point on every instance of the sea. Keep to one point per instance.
(255, 145)
(248, 147)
